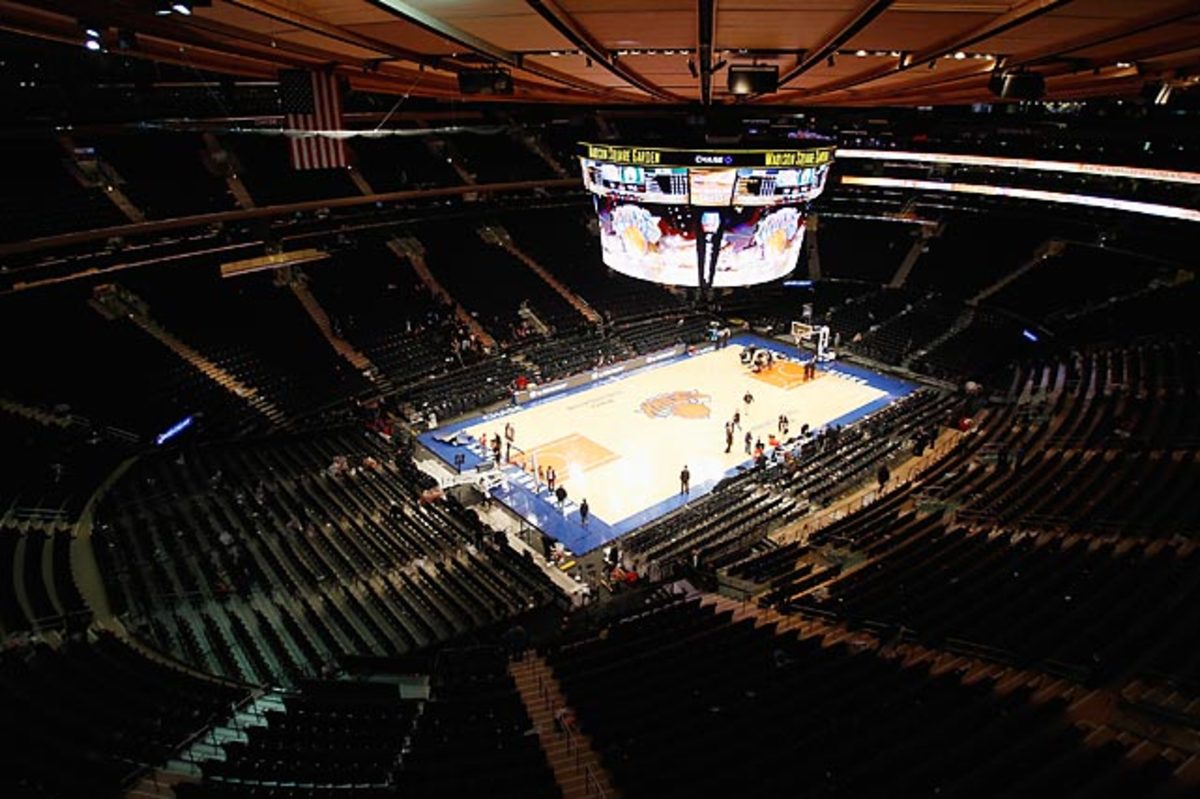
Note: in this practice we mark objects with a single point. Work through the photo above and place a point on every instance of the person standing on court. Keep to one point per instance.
(749, 442)
(728, 437)
(583, 512)
(737, 420)
(746, 400)
(551, 477)
(685, 478)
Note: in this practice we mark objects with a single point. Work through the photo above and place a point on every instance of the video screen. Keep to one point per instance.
(682, 244)
(708, 186)
(646, 184)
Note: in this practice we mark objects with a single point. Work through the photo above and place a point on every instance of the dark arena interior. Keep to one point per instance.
(599, 399)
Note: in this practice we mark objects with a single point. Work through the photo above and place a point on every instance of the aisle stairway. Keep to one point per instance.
(914, 254)
(412, 250)
(1048, 250)
(99, 175)
(219, 162)
(576, 765)
(342, 347)
(499, 237)
(115, 303)
(188, 765)
(1099, 712)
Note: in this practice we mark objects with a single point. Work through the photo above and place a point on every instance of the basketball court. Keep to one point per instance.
(621, 442)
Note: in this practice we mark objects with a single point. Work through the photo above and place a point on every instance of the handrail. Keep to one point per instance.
(286, 209)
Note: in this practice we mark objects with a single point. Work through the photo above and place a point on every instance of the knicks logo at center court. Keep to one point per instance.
(684, 404)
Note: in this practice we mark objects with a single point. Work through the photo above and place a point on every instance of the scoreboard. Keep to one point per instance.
(705, 177)
(705, 218)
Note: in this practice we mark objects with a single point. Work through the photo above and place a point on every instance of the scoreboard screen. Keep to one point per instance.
(703, 218)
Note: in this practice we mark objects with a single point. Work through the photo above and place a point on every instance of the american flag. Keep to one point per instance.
(311, 101)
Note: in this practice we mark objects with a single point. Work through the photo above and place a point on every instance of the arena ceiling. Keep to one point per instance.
(829, 52)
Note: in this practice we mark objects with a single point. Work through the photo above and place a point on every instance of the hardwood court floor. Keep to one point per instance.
(622, 445)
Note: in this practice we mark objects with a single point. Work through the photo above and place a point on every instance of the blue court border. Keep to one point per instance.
(539, 508)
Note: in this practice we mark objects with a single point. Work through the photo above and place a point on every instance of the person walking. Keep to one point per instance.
(728, 437)
(685, 478)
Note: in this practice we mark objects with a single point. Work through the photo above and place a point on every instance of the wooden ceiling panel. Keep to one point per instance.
(410, 37)
(1065, 43)
(775, 30)
(577, 7)
(914, 30)
(637, 29)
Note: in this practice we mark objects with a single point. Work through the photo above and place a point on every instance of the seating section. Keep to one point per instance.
(916, 325)
(984, 347)
(1079, 277)
(53, 468)
(73, 361)
(498, 157)
(376, 301)
(270, 563)
(956, 265)
(91, 716)
(559, 239)
(43, 198)
(141, 160)
(858, 315)
(263, 166)
(256, 330)
(1101, 609)
(40, 592)
(472, 271)
(475, 736)
(780, 715)
(471, 736)
(401, 163)
(723, 527)
(862, 249)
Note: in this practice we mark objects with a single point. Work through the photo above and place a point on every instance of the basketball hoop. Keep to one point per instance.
(803, 332)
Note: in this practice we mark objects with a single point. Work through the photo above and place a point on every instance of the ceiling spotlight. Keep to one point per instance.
(93, 45)
(861, 53)
(894, 53)
(91, 31)
(960, 55)
(1123, 65)
(182, 7)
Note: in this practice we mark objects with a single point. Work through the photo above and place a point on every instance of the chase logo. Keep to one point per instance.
(684, 404)
(714, 159)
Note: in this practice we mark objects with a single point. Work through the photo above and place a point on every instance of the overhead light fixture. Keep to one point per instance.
(93, 45)
(861, 53)
(1123, 65)
(960, 55)
(91, 31)
(182, 7)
